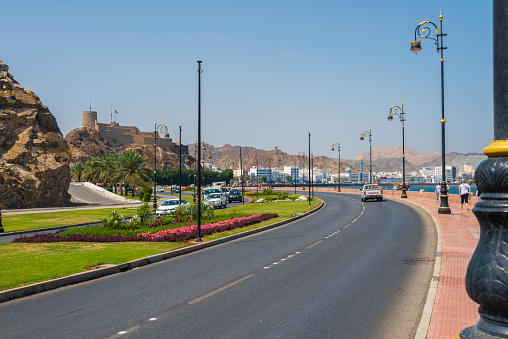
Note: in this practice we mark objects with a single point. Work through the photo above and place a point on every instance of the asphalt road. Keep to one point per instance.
(352, 270)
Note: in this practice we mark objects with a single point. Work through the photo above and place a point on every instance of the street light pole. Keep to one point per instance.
(309, 169)
(199, 152)
(158, 129)
(396, 110)
(180, 162)
(334, 146)
(424, 32)
(241, 175)
(362, 137)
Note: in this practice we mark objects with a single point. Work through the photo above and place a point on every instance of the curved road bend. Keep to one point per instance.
(351, 270)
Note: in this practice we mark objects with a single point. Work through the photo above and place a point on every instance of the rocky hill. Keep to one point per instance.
(384, 159)
(86, 143)
(228, 156)
(388, 159)
(34, 158)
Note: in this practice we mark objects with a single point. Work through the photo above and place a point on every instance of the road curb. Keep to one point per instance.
(77, 278)
(423, 326)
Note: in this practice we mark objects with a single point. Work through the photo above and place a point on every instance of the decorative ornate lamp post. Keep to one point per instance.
(336, 145)
(396, 110)
(362, 137)
(158, 129)
(11, 99)
(423, 32)
(486, 276)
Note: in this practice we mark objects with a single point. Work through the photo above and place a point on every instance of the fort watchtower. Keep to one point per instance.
(90, 119)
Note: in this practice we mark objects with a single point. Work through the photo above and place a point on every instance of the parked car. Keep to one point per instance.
(371, 191)
(216, 200)
(235, 195)
(159, 190)
(170, 205)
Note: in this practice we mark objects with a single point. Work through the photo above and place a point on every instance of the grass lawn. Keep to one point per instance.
(23, 264)
(32, 221)
(27, 263)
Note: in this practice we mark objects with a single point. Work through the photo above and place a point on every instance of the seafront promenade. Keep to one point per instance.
(448, 309)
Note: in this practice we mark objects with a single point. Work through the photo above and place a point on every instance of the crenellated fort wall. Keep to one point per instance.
(128, 136)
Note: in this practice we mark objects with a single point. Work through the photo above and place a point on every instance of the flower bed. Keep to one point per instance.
(170, 235)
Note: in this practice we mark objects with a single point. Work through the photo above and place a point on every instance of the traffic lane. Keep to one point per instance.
(368, 280)
(131, 296)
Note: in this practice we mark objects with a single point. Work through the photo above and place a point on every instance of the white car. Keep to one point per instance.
(170, 205)
(217, 200)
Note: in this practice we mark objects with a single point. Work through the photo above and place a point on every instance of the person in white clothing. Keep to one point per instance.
(464, 190)
(438, 192)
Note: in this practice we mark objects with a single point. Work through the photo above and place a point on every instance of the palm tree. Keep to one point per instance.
(77, 170)
(130, 169)
(92, 171)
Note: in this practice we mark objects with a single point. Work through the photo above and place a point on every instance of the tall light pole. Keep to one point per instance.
(336, 145)
(362, 137)
(399, 110)
(486, 276)
(241, 175)
(309, 169)
(158, 129)
(199, 151)
(180, 163)
(423, 31)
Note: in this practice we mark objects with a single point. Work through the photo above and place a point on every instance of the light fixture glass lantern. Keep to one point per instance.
(416, 46)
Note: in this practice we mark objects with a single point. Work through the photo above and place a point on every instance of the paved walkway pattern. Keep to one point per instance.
(453, 310)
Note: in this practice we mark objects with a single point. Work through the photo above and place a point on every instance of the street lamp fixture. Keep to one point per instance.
(423, 31)
(158, 129)
(336, 145)
(362, 137)
(399, 110)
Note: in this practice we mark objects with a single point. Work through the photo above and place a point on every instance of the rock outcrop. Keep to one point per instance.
(86, 142)
(34, 158)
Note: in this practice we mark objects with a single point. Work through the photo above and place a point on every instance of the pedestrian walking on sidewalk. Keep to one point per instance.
(464, 190)
(438, 192)
(478, 192)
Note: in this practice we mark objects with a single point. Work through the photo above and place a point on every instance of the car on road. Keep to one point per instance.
(235, 195)
(159, 190)
(170, 205)
(216, 200)
(372, 192)
(176, 190)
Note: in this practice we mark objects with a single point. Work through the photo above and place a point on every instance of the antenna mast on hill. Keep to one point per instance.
(90, 104)
(111, 115)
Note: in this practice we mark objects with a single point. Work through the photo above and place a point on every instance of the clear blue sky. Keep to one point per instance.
(272, 70)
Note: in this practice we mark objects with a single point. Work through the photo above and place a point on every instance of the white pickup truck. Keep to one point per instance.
(371, 191)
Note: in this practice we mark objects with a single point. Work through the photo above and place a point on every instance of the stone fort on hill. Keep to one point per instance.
(129, 137)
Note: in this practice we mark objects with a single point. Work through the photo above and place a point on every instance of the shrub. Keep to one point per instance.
(145, 194)
(144, 211)
(267, 191)
(114, 220)
(283, 195)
